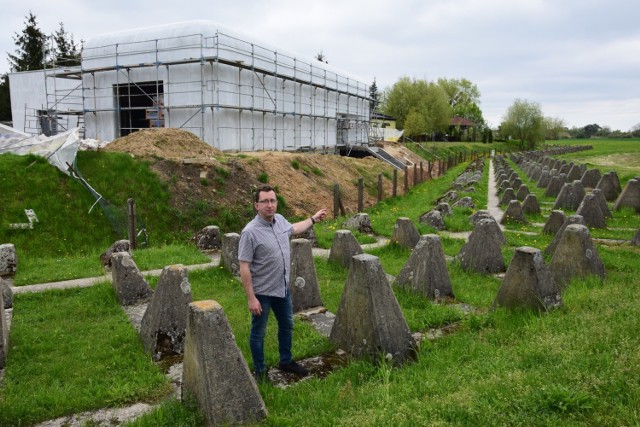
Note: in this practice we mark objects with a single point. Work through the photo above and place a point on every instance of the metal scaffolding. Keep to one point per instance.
(233, 94)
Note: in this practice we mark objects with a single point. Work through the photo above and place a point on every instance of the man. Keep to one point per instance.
(265, 258)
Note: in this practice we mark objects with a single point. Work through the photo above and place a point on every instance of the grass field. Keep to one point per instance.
(71, 351)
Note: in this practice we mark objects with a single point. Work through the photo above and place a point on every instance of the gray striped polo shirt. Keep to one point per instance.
(266, 247)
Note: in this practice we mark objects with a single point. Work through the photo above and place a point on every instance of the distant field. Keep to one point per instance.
(609, 154)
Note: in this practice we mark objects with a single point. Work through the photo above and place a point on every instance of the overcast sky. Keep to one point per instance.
(578, 59)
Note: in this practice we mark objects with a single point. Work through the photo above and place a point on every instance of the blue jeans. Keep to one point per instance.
(283, 310)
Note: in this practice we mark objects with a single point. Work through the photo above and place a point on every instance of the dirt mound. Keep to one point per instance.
(163, 143)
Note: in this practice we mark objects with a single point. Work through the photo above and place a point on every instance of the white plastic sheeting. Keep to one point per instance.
(60, 150)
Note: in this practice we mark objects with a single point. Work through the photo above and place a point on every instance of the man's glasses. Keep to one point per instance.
(268, 201)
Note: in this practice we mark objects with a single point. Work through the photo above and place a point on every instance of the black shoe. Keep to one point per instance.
(262, 377)
(294, 368)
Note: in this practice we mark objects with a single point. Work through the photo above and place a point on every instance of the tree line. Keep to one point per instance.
(35, 51)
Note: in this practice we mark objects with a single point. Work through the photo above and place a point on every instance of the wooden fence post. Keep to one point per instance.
(360, 194)
(395, 182)
(421, 172)
(406, 180)
(379, 187)
(131, 216)
(336, 200)
(415, 174)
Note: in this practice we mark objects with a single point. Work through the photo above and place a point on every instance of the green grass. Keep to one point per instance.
(578, 365)
(72, 351)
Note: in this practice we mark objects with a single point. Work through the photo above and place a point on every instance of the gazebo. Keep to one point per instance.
(461, 129)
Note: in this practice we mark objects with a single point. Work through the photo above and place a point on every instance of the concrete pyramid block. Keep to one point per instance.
(344, 247)
(215, 372)
(516, 183)
(570, 196)
(165, 320)
(229, 253)
(530, 205)
(303, 282)
(571, 219)
(513, 213)
(118, 246)
(425, 272)
(590, 178)
(630, 196)
(127, 280)
(477, 216)
(575, 256)
(574, 173)
(6, 293)
(545, 177)
(434, 218)
(528, 283)
(554, 222)
(369, 322)
(523, 191)
(555, 185)
(604, 207)
(208, 238)
(590, 210)
(610, 185)
(508, 196)
(482, 252)
(405, 233)
(359, 222)
(8, 260)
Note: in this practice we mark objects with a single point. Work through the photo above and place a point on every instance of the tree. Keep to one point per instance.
(5, 101)
(31, 47)
(464, 98)
(419, 106)
(66, 51)
(591, 130)
(554, 127)
(320, 57)
(524, 121)
(374, 95)
(635, 130)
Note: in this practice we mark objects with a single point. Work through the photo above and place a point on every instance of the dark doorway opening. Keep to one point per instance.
(141, 106)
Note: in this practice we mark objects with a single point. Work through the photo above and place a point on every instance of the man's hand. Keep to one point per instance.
(254, 306)
(319, 216)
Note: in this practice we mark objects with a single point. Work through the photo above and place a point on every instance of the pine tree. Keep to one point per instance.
(374, 95)
(31, 47)
(66, 52)
(5, 101)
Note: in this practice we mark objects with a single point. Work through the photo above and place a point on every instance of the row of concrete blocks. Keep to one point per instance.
(547, 172)
(215, 372)
(592, 206)
(369, 320)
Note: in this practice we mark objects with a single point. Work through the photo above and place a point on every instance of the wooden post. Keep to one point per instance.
(429, 169)
(379, 187)
(336, 200)
(360, 194)
(131, 216)
(421, 172)
(406, 180)
(395, 182)
(415, 174)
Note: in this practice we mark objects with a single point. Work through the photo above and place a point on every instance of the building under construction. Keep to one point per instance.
(235, 94)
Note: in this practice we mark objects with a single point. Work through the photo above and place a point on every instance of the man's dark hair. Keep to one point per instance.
(263, 188)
